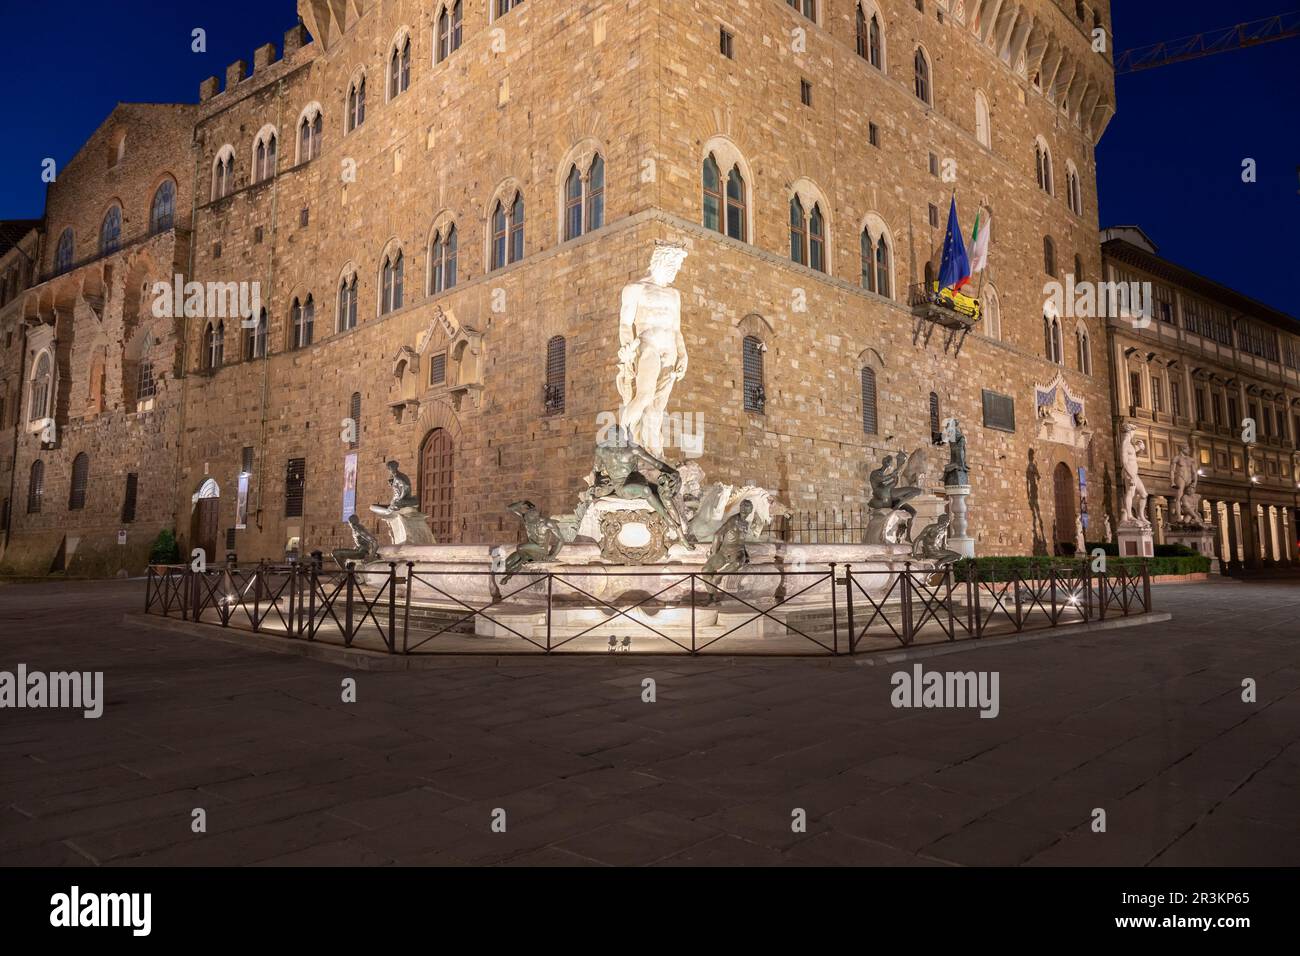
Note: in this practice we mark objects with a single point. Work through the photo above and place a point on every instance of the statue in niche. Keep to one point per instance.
(652, 352)
(365, 546)
(544, 539)
(1107, 532)
(955, 473)
(728, 554)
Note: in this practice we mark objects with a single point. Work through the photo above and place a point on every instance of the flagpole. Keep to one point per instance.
(983, 272)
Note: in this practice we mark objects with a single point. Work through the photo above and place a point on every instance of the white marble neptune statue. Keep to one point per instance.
(652, 352)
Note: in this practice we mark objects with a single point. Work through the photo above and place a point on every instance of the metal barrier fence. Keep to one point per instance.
(835, 611)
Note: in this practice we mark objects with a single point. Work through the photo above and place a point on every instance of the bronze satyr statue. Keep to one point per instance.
(728, 554)
(544, 539)
(365, 545)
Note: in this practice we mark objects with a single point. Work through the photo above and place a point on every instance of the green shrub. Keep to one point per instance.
(1001, 568)
(1174, 551)
(165, 549)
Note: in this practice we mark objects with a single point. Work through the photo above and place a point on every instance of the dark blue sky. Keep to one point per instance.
(1170, 161)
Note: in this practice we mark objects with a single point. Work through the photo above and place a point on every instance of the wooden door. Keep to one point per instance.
(206, 515)
(437, 483)
(1063, 485)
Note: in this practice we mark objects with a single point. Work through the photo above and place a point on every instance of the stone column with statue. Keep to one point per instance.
(956, 484)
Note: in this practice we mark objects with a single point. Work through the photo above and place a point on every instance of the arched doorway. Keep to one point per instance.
(1063, 486)
(205, 518)
(437, 482)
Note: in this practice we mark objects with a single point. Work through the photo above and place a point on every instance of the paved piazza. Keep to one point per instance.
(1146, 723)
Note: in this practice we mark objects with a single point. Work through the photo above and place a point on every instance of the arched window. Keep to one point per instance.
(214, 345)
(162, 211)
(310, 130)
(573, 204)
(983, 120)
(110, 230)
(1083, 350)
(264, 155)
(860, 32)
(35, 487)
(867, 36)
(595, 199)
(798, 233)
(724, 212)
(354, 412)
(876, 43)
(502, 7)
(807, 7)
(356, 111)
(80, 477)
(876, 262)
(817, 239)
(921, 77)
(390, 298)
(507, 231)
(870, 423)
(302, 321)
(347, 317)
(991, 311)
(936, 432)
(399, 68)
(752, 375)
(65, 251)
(255, 338)
(553, 398)
(442, 260)
(1073, 195)
(1043, 166)
(1052, 345)
(146, 386)
(1049, 256)
(449, 33)
(223, 172)
(39, 404)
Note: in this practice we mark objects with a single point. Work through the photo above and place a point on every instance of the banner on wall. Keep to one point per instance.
(241, 504)
(1083, 496)
(349, 485)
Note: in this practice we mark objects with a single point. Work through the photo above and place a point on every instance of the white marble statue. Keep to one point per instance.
(1107, 533)
(1135, 492)
(1183, 475)
(1080, 546)
(652, 352)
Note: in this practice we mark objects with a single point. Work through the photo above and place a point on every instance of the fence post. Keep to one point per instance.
(692, 612)
(974, 618)
(907, 604)
(313, 582)
(406, 610)
(550, 590)
(947, 587)
(1087, 590)
(835, 617)
(392, 607)
(1102, 597)
(1051, 572)
(848, 604)
(1017, 576)
(347, 607)
(257, 594)
(1146, 586)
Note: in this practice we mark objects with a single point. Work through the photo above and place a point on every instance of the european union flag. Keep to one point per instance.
(954, 271)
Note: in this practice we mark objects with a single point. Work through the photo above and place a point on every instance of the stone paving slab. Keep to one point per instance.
(1146, 723)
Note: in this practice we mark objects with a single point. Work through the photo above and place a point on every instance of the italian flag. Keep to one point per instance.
(979, 254)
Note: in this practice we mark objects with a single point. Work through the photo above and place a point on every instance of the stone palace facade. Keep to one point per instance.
(439, 200)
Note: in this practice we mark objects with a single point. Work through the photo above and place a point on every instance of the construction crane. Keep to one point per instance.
(1252, 33)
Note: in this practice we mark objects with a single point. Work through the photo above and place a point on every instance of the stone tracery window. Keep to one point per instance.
(442, 259)
(356, 107)
(921, 79)
(214, 345)
(110, 230)
(223, 172)
(347, 317)
(868, 36)
(877, 261)
(311, 127)
(507, 231)
(399, 68)
(39, 404)
(391, 281)
(64, 253)
(1073, 194)
(584, 198)
(1043, 166)
(725, 212)
(449, 30)
(264, 155)
(807, 7)
(255, 338)
(162, 211)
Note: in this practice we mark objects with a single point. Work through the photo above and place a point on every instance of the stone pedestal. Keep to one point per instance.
(407, 526)
(1136, 540)
(1199, 537)
(959, 536)
(928, 508)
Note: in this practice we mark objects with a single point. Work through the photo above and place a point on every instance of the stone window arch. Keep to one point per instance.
(582, 192)
(1073, 193)
(555, 374)
(399, 64)
(869, 364)
(807, 7)
(1053, 347)
(265, 148)
(162, 209)
(726, 179)
(35, 487)
(753, 376)
(869, 34)
(506, 219)
(991, 310)
(499, 8)
(311, 129)
(983, 120)
(449, 28)
(1083, 348)
(255, 337)
(876, 247)
(1043, 166)
(346, 316)
(80, 479)
(110, 230)
(223, 172)
(922, 78)
(354, 113)
(65, 251)
(214, 345)
(392, 276)
(1049, 256)
(302, 321)
(444, 251)
(809, 227)
(40, 401)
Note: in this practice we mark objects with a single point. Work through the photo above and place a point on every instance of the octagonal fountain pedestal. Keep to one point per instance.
(784, 593)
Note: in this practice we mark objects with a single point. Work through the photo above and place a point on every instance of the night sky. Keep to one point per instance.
(1170, 160)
